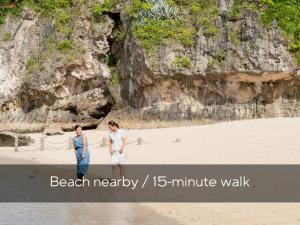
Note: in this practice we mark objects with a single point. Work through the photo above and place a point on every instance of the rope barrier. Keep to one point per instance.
(56, 147)
(97, 143)
(57, 143)
(129, 143)
(139, 141)
(31, 149)
(32, 146)
(145, 141)
(44, 144)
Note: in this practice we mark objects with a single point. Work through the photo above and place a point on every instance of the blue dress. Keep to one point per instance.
(82, 164)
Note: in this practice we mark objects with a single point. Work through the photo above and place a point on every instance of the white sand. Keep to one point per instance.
(240, 142)
(265, 141)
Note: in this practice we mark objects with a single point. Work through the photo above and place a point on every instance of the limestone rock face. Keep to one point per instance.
(53, 130)
(246, 71)
(40, 85)
(251, 77)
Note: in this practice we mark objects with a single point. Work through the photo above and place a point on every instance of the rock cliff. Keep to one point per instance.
(249, 75)
(86, 60)
(47, 78)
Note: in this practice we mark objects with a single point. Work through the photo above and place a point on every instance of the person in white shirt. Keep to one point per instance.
(116, 146)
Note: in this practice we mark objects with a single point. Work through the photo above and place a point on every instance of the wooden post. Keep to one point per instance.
(16, 142)
(139, 141)
(177, 140)
(42, 143)
(104, 142)
(70, 143)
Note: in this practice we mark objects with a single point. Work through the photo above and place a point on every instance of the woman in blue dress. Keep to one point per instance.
(81, 152)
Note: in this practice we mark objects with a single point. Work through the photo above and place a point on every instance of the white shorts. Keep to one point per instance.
(118, 158)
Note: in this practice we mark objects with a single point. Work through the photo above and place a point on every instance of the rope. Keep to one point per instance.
(45, 143)
(56, 143)
(65, 145)
(129, 143)
(97, 143)
(145, 141)
(55, 147)
(31, 149)
(33, 145)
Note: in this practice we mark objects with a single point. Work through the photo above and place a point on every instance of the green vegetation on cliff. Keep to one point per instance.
(58, 45)
(203, 14)
(9, 7)
(286, 13)
(159, 22)
(183, 61)
(282, 13)
(240, 6)
(154, 32)
(100, 9)
(44, 7)
(156, 22)
(153, 26)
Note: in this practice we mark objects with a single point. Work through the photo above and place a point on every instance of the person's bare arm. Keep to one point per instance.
(123, 144)
(110, 146)
(74, 148)
(84, 146)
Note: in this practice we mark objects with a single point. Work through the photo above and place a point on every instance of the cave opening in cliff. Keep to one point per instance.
(89, 127)
(117, 18)
(113, 59)
(116, 40)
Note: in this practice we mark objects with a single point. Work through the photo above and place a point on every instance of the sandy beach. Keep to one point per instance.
(264, 141)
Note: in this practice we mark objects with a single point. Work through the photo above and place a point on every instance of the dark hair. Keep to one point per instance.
(113, 124)
(77, 126)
